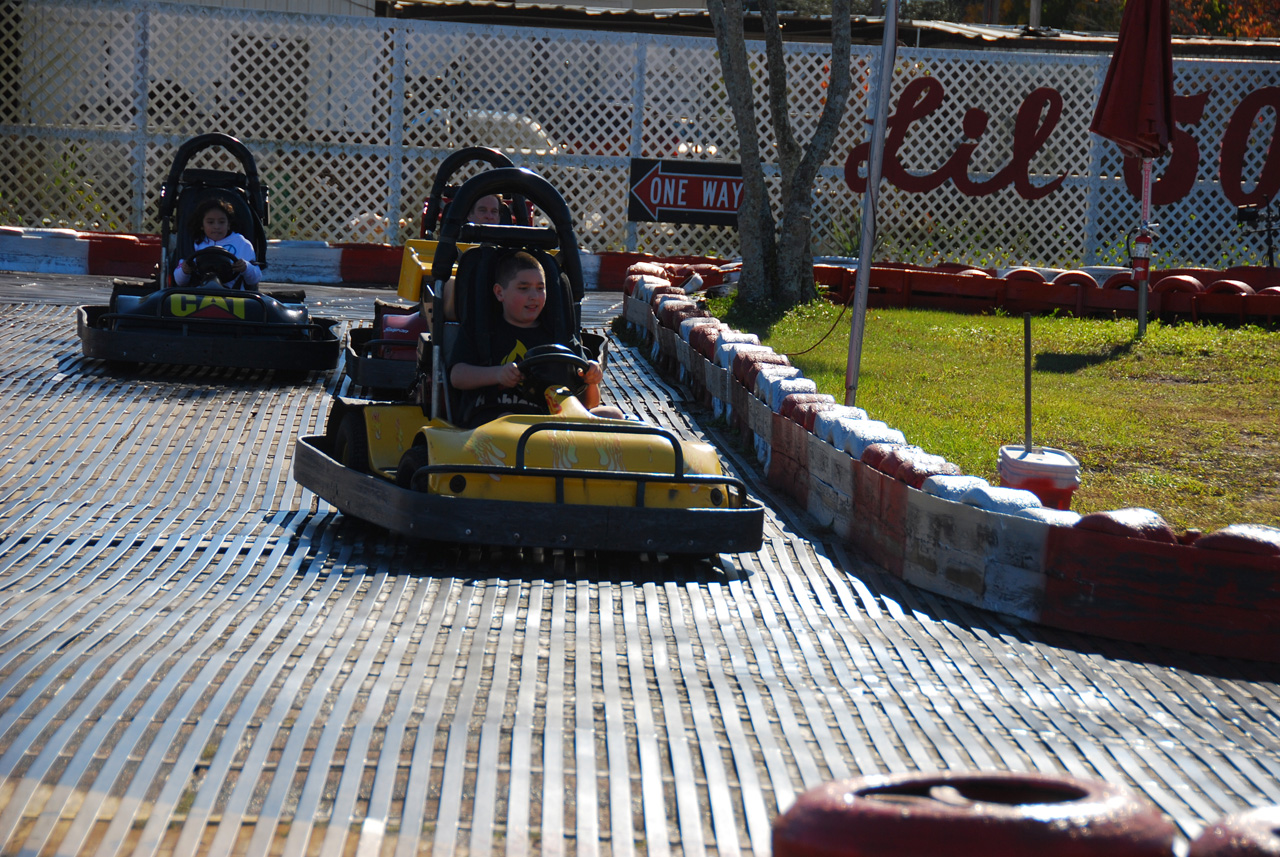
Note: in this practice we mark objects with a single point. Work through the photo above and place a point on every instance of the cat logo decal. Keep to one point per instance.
(206, 306)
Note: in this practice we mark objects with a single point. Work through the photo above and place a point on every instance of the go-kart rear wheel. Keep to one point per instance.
(351, 442)
(414, 457)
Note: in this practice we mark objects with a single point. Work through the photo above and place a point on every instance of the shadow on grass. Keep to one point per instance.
(1065, 364)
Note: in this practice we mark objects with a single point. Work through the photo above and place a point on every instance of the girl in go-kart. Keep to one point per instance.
(212, 219)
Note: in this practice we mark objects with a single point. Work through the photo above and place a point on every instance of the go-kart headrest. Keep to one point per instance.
(477, 309)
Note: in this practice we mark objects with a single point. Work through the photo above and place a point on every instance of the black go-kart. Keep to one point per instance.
(382, 359)
(208, 322)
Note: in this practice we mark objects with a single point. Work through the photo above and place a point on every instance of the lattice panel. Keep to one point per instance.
(686, 111)
(1199, 229)
(268, 77)
(316, 195)
(58, 183)
(350, 117)
(76, 70)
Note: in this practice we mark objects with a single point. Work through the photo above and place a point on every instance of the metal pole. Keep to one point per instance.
(875, 161)
(1144, 229)
(1026, 382)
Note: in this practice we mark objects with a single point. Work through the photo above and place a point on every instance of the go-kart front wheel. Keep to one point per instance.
(351, 442)
(414, 458)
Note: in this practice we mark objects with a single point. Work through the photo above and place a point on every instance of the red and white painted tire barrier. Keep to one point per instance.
(1253, 833)
(972, 814)
(1122, 574)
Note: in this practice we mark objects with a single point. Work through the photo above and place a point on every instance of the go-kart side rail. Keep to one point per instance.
(641, 479)
(602, 428)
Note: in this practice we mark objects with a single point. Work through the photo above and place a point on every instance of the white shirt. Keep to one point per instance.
(235, 244)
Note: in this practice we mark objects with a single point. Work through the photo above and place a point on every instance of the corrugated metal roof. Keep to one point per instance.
(866, 30)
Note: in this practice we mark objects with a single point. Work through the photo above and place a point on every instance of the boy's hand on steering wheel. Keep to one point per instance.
(593, 374)
(187, 267)
(508, 375)
(240, 266)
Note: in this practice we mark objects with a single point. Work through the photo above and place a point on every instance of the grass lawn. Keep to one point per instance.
(1185, 422)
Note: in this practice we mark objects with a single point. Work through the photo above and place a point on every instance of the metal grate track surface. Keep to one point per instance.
(199, 657)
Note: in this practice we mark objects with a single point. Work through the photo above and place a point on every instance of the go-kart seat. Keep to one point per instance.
(475, 306)
(199, 185)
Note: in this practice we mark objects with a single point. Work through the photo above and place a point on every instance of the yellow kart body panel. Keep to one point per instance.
(537, 458)
(415, 264)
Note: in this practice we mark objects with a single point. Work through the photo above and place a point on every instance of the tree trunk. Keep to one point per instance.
(777, 257)
(755, 218)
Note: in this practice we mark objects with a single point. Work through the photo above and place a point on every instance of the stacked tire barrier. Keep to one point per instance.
(1122, 574)
(68, 251)
(1235, 295)
(962, 813)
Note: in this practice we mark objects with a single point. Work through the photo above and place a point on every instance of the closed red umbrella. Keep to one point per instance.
(1135, 110)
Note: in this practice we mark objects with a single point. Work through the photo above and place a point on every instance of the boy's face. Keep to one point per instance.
(523, 298)
(216, 225)
(486, 210)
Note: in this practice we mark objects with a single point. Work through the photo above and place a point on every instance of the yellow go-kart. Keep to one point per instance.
(563, 478)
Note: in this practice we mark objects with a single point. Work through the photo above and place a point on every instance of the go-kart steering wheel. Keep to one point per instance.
(551, 366)
(215, 262)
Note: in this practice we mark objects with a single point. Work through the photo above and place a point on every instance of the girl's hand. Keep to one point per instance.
(239, 266)
(187, 267)
(593, 374)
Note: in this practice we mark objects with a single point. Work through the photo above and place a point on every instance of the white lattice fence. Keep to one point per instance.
(349, 118)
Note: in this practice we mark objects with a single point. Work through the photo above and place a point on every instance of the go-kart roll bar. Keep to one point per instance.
(492, 157)
(257, 194)
(510, 180)
(538, 237)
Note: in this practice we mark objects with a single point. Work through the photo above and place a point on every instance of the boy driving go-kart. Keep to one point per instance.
(492, 381)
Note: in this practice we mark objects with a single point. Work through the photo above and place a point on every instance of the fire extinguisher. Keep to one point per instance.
(1140, 256)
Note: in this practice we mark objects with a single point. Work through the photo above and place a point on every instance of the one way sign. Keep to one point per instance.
(684, 192)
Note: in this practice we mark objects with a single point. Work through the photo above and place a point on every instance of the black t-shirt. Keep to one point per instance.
(507, 344)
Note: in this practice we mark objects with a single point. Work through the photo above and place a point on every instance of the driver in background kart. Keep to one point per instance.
(487, 209)
(212, 219)
(489, 379)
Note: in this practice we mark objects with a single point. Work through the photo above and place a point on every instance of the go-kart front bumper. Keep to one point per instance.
(185, 342)
(638, 529)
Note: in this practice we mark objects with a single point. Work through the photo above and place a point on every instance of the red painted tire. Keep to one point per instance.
(914, 467)
(1255, 833)
(1178, 283)
(1229, 287)
(879, 457)
(1131, 523)
(971, 814)
(1255, 539)
(974, 272)
(1120, 280)
(1076, 278)
(1024, 275)
(1270, 290)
